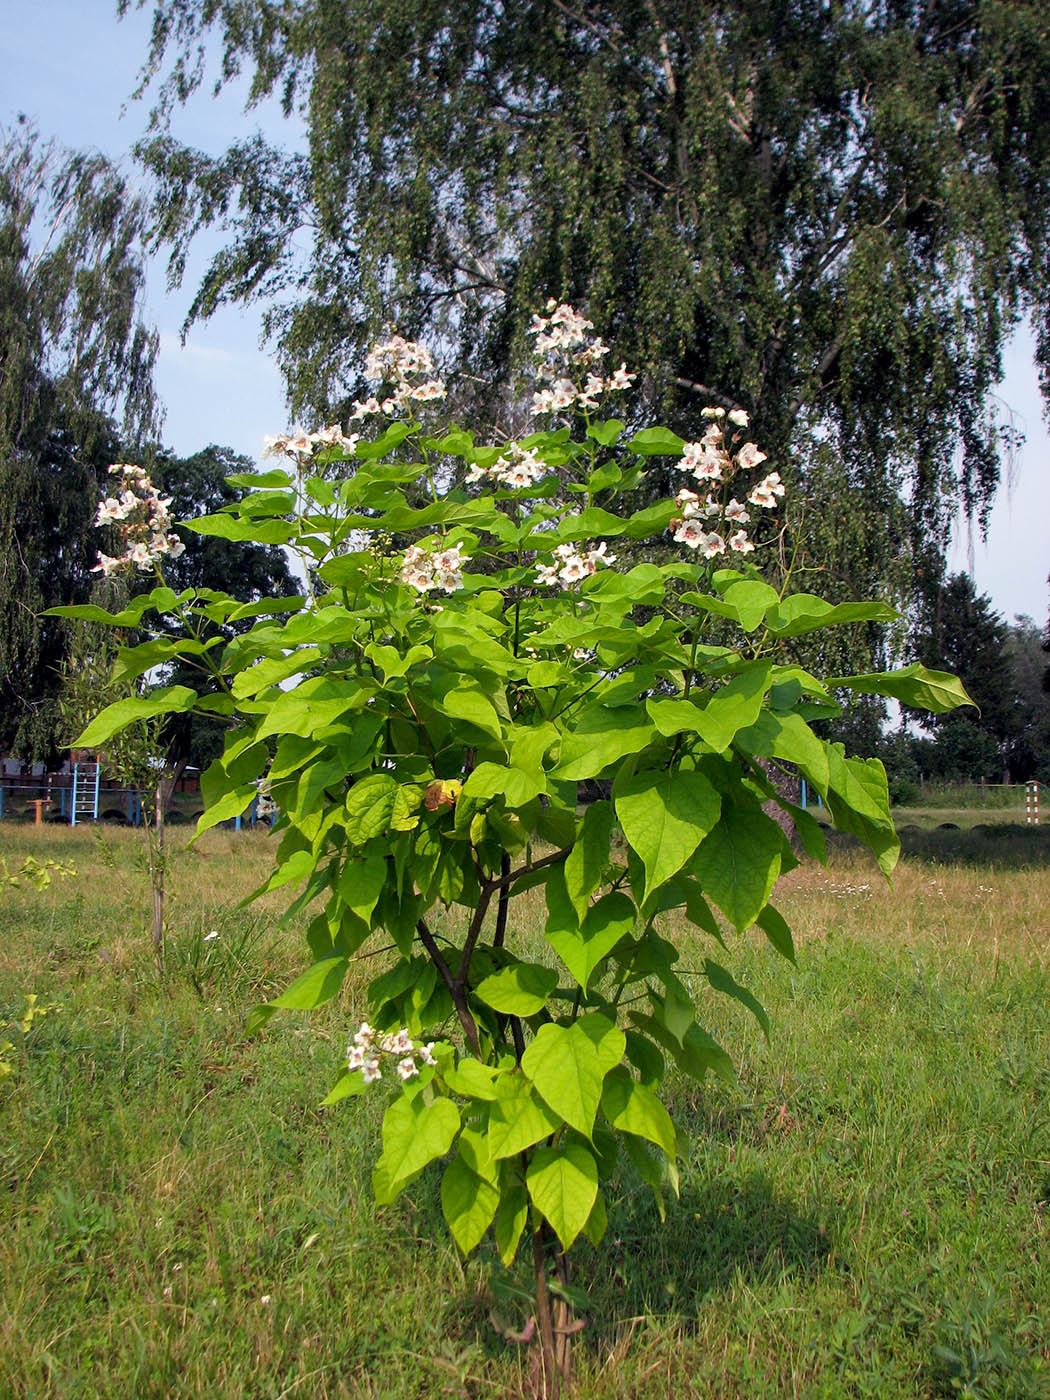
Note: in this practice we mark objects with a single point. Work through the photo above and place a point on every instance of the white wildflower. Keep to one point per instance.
(749, 456)
(370, 1071)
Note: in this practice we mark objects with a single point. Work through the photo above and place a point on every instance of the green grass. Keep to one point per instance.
(865, 1214)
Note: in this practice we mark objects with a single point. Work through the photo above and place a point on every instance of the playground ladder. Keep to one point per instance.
(83, 805)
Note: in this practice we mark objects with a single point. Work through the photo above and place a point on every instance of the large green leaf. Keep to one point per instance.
(915, 685)
(521, 989)
(318, 984)
(800, 613)
(589, 856)
(789, 737)
(515, 786)
(664, 816)
(227, 527)
(473, 706)
(568, 1064)
(468, 1202)
(749, 599)
(374, 805)
(656, 442)
(513, 1211)
(582, 946)
(517, 1118)
(738, 863)
(414, 1133)
(171, 699)
(602, 737)
(632, 1108)
(563, 1184)
(732, 708)
(271, 670)
(858, 800)
(231, 804)
(361, 883)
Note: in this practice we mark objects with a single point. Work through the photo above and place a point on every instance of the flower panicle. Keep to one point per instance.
(368, 1047)
(572, 565)
(143, 519)
(302, 446)
(406, 368)
(570, 361)
(713, 462)
(426, 570)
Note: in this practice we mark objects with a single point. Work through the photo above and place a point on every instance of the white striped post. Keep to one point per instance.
(1031, 804)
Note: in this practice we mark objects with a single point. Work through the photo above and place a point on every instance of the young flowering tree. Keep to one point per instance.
(451, 697)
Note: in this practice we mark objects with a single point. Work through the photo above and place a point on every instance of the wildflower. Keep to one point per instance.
(766, 492)
(423, 571)
(621, 379)
(370, 1071)
(689, 532)
(735, 512)
(738, 418)
(107, 565)
(712, 413)
(407, 1068)
(364, 1036)
(364, 408)
(426, 1053)
(333, 436)
(704, 460)
(740, 542)
(749, 456)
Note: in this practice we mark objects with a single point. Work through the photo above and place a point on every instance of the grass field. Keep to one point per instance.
(866, 1213)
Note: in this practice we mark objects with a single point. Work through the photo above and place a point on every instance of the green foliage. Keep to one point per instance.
(830, 215)
(75, 380)
(426, 763)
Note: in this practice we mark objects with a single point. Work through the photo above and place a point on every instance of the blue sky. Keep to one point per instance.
(71, 66)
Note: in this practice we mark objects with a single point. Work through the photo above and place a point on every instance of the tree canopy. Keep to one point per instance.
(831, 215)
(76, 364)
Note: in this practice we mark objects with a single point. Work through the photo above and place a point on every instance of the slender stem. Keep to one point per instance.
(504, 901)
(488, 889)
(459, 1001)
(543, 1317)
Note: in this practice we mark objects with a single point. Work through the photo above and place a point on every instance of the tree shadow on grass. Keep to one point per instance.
(1006, 845)
(734, 1227)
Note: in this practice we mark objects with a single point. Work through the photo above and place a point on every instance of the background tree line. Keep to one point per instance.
(831, 216)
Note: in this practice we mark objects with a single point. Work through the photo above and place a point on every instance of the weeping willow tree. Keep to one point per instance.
(829, 212)
(76, 367)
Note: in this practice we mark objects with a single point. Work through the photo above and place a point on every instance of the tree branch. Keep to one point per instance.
(466, 1020)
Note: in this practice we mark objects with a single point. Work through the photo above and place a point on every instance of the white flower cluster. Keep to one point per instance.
(714, 462)
(572, 564)
(517, 468)
(367, 1048)
(570, 362)
(425, 571)
(402, 364)
(303, 445)
(144, 520)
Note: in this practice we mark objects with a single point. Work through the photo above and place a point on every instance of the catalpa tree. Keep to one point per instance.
(424, 716)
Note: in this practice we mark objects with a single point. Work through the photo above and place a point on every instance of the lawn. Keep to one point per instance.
(865, 1213)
